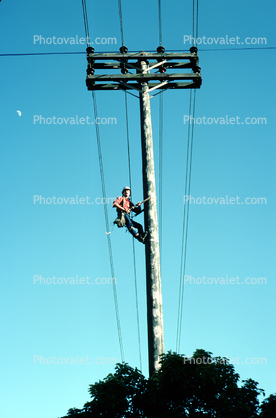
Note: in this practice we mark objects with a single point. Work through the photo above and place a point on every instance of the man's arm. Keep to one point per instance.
(137, 208)
(117, 204)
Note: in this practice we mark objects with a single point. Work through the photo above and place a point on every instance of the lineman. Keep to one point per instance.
(124, 206)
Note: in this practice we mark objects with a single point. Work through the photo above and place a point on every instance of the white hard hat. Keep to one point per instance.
(126, 188)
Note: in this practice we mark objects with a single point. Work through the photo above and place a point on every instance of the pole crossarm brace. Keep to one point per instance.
(163, 77)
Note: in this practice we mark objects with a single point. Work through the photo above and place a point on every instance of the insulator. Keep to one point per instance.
(197, 69)
(123, 49)
(162, 69)
(160, 50)
(124, 70)
(90, 68)
(90, 71)
(90, 50)
(193, 49)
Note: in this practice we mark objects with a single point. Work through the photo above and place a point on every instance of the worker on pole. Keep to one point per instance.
(124, 206)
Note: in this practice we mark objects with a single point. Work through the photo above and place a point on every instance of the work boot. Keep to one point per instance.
(139, 237)
(144, 237)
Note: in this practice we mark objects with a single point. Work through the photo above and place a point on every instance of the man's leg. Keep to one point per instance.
(139, 227)
(130, 226)
(143, 235)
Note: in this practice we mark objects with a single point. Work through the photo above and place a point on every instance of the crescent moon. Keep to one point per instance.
(19, 113)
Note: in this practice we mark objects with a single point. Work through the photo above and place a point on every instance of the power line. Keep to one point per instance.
(195, 22)
(42, 53)
(133, 52)
(185, 217)
(160, 22)
(160, 169)
(196, 18)
(104, 194)
(130, 184)
(107, 225)
(121, 21)
(133, 246)
(187, 191)
(86, 26)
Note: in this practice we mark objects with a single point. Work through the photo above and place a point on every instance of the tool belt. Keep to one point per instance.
(120, 220)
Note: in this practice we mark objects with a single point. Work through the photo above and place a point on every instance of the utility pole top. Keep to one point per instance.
(130, 76)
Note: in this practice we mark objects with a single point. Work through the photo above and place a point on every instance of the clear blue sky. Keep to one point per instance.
(65, 321)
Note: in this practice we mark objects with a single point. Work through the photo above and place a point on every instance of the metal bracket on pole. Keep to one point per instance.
(154, 66)
(159, 86)
(133, 87)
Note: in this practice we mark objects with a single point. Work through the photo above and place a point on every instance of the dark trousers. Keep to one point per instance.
(130, 224)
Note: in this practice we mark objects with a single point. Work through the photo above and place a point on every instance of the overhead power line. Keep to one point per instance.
(160, 169)
(160, 22)
(86, 26)
(185, 217)
(121, 21)
(130, 184)
(133, 246)
(107, 225)
(104, 193)
(133, 52)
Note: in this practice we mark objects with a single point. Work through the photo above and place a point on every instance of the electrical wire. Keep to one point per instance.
(187, 190)
(133, 246)
(107, 225)
(121, 21)
(133, 52)
(160, 206)
(195, 22)
(104, 194)
(130, 184)
(86, 26)
(185, 217)
(160, 22)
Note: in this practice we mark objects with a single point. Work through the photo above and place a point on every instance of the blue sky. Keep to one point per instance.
(66, 241)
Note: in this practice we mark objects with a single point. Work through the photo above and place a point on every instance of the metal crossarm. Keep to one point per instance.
(162, 77)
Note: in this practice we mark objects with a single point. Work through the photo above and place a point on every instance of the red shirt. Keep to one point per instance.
(127, 205)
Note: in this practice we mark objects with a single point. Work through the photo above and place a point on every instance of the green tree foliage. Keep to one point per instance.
(196, 387)
(268, 408)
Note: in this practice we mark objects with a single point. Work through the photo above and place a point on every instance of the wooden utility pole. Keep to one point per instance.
(153, 274)
(145, 82)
